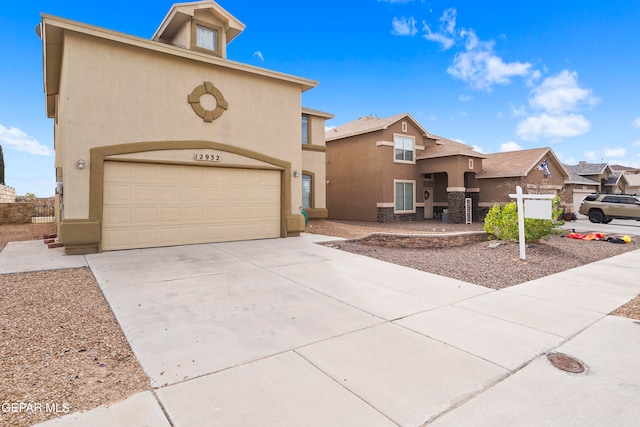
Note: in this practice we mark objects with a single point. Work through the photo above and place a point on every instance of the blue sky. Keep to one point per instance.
(497, 75)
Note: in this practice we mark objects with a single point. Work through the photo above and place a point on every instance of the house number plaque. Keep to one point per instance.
(206, 157)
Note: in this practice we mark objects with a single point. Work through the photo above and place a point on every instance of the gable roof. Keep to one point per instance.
(615, 177)
(584, 168)
(623, 168)
(574, 178)
(368, 124)
(180, 13)
(516, 163)
(447, 147)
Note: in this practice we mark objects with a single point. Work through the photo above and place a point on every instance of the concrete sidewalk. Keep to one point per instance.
(287, 332)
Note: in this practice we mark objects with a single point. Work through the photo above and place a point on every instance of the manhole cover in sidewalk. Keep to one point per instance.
(566, 363)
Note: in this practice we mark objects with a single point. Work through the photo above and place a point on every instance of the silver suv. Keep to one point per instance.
(606, 207)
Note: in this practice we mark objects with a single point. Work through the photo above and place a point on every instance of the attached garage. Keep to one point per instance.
(150, 204)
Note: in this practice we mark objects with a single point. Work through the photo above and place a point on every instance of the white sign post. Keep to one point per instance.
(538, 206)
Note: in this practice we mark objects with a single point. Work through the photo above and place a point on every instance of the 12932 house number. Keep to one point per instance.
(205, 157)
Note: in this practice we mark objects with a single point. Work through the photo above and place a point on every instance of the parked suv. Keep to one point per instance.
(606, 207)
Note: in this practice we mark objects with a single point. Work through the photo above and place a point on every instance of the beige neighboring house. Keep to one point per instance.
(167, 142)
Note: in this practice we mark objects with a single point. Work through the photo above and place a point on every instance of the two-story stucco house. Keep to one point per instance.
(166, 141)
(392, 169)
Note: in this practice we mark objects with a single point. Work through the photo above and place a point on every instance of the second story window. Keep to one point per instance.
(206, 38)
(305, 129)
(404, 147)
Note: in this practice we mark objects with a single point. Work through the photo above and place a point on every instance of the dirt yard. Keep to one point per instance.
(62, 349)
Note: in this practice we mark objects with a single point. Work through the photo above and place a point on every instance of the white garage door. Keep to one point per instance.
(147, 205)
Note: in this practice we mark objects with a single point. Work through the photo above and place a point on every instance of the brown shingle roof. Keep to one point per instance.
(447, 147)
(368, 124)
(584, 168)
(515, 163)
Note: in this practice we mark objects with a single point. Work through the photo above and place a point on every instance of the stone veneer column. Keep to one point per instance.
(455, 199)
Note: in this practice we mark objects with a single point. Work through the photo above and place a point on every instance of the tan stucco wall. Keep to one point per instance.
(313, 161)
(118, 94)
(355, 177)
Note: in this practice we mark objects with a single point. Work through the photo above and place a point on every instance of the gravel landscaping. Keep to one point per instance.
(63, 350)
(492, 264)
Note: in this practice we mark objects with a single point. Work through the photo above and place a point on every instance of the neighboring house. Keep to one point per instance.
(632, 176)
(633, 183)
(537, 171)
(616, 183)
(165, 141)
(598, 172)
(576, 188)
(392, 169)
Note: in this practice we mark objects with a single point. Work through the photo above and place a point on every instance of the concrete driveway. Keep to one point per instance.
(287, 332)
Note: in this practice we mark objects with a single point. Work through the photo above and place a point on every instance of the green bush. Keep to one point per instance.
(502, 223)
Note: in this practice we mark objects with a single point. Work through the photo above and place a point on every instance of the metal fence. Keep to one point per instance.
(43, 214)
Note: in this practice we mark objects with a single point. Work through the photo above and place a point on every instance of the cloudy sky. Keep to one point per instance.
(498, 75)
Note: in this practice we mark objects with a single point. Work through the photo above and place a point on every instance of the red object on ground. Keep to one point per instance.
(592, 236)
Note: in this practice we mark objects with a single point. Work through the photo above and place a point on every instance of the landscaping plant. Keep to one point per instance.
(502, 223)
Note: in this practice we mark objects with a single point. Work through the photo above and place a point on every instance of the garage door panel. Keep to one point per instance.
(117, 215)
(144, 215)
(148, 193)
(160, 205)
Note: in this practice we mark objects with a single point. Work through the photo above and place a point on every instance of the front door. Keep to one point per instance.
(428, 202)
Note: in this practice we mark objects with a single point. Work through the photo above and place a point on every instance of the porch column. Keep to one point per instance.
(455, 199)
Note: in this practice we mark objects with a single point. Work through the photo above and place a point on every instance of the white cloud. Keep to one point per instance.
(464, 98)
(615, 152)
(561, 93)
(510, 146)
(637, 143)
(479, 66)
(445, 42)
(18, 140)
(396, 1)
(447, 28)
(448, 20)
(636, 122)
(520, 111)
(557, 98)
(258, 54)
(553, 127)
(478, 149)
(403, 26)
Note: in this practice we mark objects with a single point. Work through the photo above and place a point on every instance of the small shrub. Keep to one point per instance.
(502, 222)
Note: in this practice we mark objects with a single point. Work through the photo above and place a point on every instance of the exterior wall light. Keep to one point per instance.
(296, 173)
(80, 164)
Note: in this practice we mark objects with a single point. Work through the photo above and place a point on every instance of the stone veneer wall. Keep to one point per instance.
(456, 207)
(7, 194)
(422, 241)
(22, 212)
(387, 215)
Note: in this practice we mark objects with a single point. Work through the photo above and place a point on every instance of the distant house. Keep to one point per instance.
(392, 169)
(537, 171)
(598, 172)
(166, 142)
